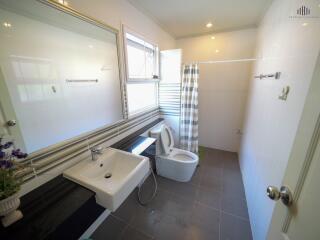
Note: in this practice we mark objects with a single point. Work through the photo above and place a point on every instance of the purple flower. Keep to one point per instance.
(2, 154)
(17, 153)
(6, 164)
(7, 145)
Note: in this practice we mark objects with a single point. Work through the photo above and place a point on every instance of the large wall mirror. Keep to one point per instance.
(59, 74)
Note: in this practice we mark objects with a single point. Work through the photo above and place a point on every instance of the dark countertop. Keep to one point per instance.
(60, 208)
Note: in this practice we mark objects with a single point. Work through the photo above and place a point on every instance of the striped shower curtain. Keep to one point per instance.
(189, 108)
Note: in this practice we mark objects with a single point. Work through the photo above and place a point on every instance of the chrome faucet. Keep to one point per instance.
(95, 152)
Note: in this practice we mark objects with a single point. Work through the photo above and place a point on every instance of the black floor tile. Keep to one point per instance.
(233, 228)
(111, 228)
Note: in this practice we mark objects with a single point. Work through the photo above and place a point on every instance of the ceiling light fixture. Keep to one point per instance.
(63, 2)
(305, 24)
(7, 25)
(213, 37)
(217, 50)
(209, 25)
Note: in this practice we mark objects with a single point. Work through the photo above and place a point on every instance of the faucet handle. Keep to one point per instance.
(97, 149)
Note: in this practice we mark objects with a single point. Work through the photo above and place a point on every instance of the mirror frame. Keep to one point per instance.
(42, 158)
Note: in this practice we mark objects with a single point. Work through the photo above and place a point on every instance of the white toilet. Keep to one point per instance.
(173, 163)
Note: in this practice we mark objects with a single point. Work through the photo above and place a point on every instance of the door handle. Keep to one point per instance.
(284, 194)
(11, 123)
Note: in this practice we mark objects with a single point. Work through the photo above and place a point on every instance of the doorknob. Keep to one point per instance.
(284, 194)
(11, 123)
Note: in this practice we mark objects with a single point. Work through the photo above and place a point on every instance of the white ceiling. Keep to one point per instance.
(182, 18)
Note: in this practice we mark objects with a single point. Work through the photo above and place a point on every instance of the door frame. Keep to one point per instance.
(7, 112)
(304, 147)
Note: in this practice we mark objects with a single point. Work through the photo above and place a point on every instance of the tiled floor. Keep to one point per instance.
(210, 207)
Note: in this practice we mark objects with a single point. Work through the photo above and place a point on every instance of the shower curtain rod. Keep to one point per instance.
(226, 61)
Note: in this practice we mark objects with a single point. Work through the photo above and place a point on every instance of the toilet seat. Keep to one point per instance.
(177, 154)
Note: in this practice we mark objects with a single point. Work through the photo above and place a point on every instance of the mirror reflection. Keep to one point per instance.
(59, 74)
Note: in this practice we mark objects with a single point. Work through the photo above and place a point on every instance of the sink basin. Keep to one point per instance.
(112, 177)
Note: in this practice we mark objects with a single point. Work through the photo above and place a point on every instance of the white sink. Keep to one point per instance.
(127, 171)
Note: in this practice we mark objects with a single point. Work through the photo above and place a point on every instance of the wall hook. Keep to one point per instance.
(284, 94)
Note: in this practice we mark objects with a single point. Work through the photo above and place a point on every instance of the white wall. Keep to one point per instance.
(117, 12)
(286, 45)
(222, 87)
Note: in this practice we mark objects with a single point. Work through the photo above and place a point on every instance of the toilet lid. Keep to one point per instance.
(166, 139)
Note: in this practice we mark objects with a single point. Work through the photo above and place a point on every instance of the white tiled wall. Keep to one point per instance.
(291, 46)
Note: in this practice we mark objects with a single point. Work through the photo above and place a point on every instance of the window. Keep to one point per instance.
(142, 73)
(142, 59)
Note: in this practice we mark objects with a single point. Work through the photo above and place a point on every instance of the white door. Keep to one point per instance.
(300, 221)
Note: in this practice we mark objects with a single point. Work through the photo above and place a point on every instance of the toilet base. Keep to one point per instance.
(175, 170)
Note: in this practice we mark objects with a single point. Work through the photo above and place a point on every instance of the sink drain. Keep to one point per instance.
(108, 175)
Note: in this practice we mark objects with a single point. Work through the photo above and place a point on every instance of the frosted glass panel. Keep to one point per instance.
(62, 73)
(141, 96)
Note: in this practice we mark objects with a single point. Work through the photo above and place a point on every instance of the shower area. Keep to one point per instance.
(225, 62)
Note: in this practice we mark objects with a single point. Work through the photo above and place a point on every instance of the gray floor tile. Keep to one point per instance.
(194, 232)
(209, 197)
(235, 206)
(233, 189)
(111, 228)
(205, 218)
(172, 204)
(170, 228)
(185, 190)
(211, 179)
(128, 208)
(146, 220)
(232, 175)
(233, 228)
(132, 234)
(195, 180)
(230, 161)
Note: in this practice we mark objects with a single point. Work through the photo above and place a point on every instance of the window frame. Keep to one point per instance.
(126, 30)
(156, 81)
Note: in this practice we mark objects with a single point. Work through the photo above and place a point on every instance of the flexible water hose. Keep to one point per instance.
(154, 192)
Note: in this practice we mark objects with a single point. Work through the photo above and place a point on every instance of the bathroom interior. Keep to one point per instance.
(145, 119)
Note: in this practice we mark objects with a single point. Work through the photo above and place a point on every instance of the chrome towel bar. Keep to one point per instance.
(275, 75)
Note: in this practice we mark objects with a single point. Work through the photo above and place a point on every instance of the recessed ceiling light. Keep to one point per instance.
(213, 37)
(305, 24)
(7, 25)
(63, 2)
(209, 25)
(217, 50)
